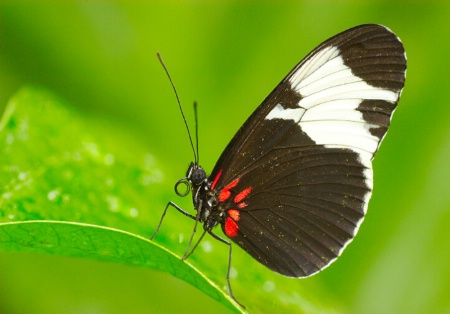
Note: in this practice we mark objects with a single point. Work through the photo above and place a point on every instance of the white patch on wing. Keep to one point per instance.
(311, 66)
(331, 95)
(341, 109)
(345, 134)
(286, 114)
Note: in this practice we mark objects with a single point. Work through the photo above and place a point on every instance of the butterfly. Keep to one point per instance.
(293, 185)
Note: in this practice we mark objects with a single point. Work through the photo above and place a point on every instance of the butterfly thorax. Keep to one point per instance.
(204, 198)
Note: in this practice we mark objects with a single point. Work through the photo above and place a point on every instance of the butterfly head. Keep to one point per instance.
(195, 174)
(195, 177)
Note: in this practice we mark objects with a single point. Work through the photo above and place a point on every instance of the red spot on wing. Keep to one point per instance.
(243, 194)
(225, 193)
(231, 227)
(242, 205)
(213, 185)
(232, 184)
(233, 213)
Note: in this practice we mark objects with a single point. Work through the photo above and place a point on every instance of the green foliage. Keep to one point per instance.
(54, 168)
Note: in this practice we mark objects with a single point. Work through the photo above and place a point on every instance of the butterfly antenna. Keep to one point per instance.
(179, 105)
(196, 130)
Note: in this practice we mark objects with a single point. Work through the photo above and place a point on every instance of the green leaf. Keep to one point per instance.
(54, 168)
(61, 184)
(101, 243)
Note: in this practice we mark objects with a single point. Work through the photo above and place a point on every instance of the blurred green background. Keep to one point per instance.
(228, 55)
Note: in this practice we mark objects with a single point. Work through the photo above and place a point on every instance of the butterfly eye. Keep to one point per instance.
(198, 176)
(183, 191)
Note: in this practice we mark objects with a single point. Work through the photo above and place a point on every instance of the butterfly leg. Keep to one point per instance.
(186, 252)
(215, 236)
(181, 210)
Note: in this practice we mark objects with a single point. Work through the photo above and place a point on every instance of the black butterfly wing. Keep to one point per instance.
(296, 179)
